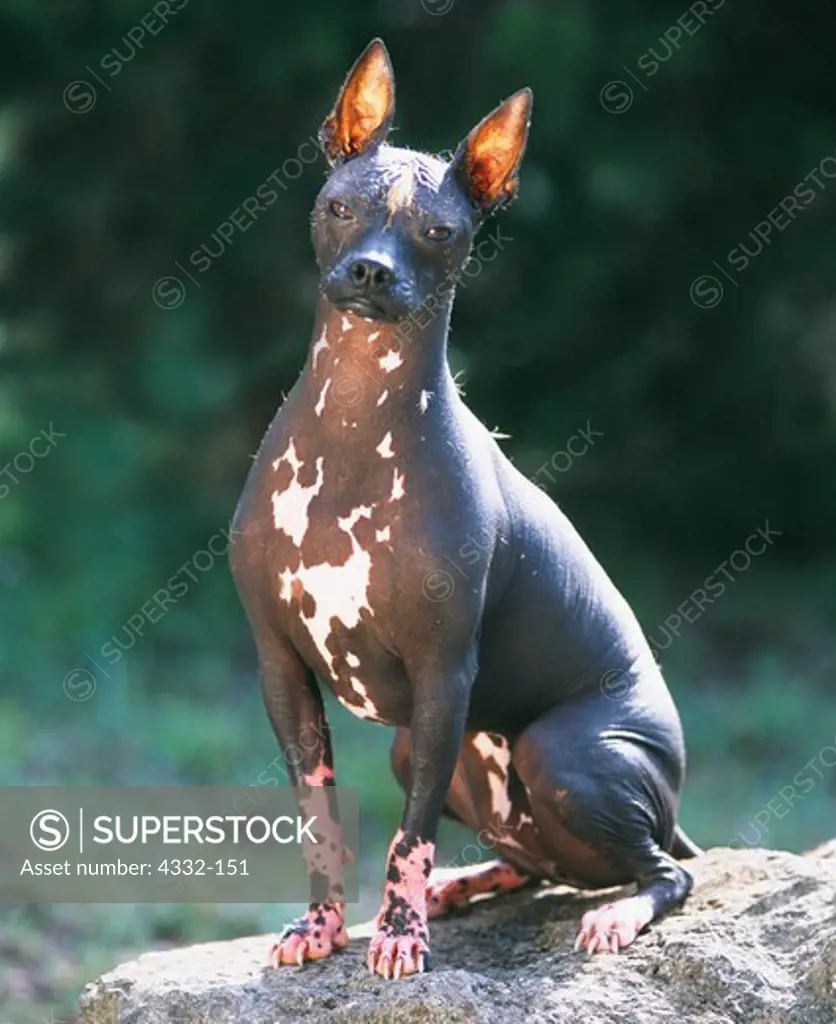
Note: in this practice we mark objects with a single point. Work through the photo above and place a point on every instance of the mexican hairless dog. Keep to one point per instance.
(372, 478)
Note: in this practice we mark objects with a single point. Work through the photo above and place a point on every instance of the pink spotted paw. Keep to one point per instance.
(398, 956)
(445, 897)
(453, 890)
(614, 926)
(317, 934)
(401, 945)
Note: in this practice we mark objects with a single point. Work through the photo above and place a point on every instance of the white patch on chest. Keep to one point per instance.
(384, 449)
(498, 750)
(365, 710)
(285, 580)
(424, 400)
(320, 404)
(340, 592)
(398, 489)
(321, 344)
(330, 596)
(391, 361)
(346, 704)
(290, 457)
(348, 522)
(290, 508)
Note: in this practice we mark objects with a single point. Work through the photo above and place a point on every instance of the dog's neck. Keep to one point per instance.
(361, 371)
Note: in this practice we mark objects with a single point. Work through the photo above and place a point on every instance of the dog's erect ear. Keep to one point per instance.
(363, 112)
(487, 162)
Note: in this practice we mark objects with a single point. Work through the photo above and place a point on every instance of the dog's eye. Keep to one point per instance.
(340, 210)
(438, 233)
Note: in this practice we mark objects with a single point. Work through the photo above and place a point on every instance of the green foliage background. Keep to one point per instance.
(712, 420)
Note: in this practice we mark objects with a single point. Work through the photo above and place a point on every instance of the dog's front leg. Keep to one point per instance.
(294, 705)
(441, 693)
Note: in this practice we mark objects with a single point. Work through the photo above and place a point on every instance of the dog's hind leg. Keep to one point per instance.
(487, 797)
(453, 888)
(602, 783)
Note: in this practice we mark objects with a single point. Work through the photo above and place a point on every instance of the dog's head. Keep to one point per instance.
(391, 226)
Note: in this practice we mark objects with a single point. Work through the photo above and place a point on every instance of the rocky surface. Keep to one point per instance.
(756, 943)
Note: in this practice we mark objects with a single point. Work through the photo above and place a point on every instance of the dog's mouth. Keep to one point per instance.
(363, 307)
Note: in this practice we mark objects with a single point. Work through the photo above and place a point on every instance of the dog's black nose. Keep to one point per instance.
(369, 274)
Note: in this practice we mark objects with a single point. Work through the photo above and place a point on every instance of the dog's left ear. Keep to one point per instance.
(364, 109)
(487, 162)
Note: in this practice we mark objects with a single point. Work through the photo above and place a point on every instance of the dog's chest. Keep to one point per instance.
(333, 555)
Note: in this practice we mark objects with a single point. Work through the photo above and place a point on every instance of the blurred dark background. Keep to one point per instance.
(668, 284)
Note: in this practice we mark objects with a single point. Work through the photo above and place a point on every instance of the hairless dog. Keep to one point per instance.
(375, 476)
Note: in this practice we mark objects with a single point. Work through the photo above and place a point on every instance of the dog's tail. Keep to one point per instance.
(683, 847)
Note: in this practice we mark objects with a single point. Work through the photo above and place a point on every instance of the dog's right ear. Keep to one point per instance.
(364, 109)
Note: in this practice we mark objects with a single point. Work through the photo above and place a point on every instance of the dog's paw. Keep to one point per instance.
(396, 956)
(614, 926)
(450, 891)
(401, 945)
(316, 934)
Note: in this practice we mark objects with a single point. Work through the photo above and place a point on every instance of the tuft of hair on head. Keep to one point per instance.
(401, 192)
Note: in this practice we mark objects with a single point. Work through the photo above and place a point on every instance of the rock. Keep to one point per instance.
(756, 943)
